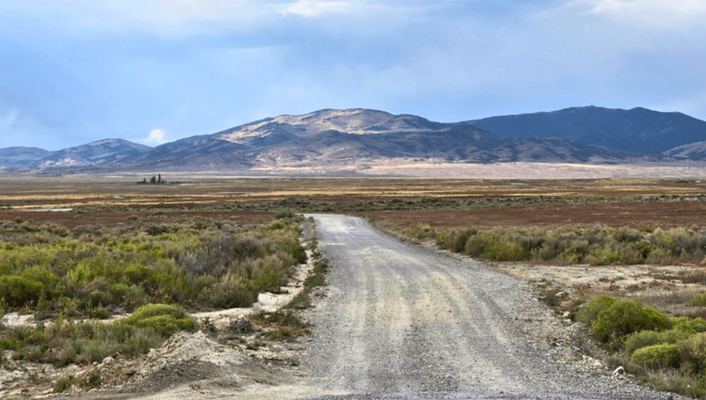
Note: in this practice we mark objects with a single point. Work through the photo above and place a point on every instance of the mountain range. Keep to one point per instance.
(357, 137)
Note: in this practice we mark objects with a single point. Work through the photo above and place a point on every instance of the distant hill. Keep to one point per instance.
(98, 152)
(355, 138)
(639, 130)
(348, 137)
(95, 153)
(21, 157)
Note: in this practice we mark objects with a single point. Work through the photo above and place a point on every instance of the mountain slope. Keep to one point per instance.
(21, 157)
(98, 152)
(692, 151)
(638, 130)
(348, 137)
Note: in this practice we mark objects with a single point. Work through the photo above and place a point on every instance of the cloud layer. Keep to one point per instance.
(83, 70)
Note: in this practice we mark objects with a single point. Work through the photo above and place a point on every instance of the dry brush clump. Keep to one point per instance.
(596, 245)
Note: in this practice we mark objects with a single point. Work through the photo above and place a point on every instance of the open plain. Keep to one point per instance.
(397, 320)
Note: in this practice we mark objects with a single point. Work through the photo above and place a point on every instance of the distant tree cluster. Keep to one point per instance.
(154, 180)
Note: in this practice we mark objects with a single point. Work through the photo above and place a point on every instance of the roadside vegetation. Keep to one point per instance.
(669, 353)
(595, 245)
(286, 324)
(91, 272)
(69, 279)
(666, 352)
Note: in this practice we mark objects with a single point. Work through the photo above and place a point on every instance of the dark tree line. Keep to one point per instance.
(154, 180)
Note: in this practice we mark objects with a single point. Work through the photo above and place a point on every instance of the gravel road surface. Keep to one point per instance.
(402, 322)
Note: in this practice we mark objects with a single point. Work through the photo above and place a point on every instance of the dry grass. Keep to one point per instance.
(75, 191)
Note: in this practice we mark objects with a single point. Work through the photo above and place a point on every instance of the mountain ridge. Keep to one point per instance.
(637, 130)
(354, 137)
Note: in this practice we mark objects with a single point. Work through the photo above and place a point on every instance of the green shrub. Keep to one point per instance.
(598, 245)
(625, 317)
(476, 244)
(62, 384)
(689, 325)
(280, 224)
(657, 356)
(228, 294)
(698, 300)
(162, 318)
(283, 214)
(20, 290)
(589, 313)
(266, 283)
(132, 296)
(505, 249)
(92, 382)
(456, 240)
(297, 251)
(642, 339)
(420, 231)
(676, 382)
(693, 353)
(93, 271)
(658, 255)
(52, 283)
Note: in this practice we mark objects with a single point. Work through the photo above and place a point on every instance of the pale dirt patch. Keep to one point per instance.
(666, 288)
(529, 170)
(622, 276)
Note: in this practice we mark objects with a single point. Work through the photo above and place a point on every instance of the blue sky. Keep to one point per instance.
(150, 71)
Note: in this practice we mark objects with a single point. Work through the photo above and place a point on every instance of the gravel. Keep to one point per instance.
(401, 322)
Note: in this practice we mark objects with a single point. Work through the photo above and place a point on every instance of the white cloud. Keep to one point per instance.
(315, 8)
(156, 136)
(662, 14)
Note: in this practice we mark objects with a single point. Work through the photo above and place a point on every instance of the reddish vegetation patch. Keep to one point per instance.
(129, 218)
(634, 214)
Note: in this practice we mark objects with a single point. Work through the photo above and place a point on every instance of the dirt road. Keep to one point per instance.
(402, 322)
(396, 321)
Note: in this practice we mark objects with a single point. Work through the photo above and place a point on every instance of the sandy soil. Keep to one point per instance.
(528, 170)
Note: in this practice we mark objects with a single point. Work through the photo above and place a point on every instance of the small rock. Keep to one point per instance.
(597, 364)
(108, 360)
(566, 315)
